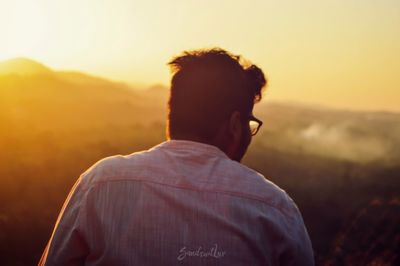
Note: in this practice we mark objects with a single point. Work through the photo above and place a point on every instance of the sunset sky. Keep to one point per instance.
(335, 53)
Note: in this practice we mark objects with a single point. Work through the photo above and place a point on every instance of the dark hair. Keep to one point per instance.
(206, 87)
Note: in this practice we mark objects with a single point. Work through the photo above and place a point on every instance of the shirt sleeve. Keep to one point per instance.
(298, 249)
(67, 245)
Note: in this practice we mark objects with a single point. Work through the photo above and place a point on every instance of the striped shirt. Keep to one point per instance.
(178, 203)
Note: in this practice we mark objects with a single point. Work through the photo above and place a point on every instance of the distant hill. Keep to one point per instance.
(23, 66)
(33, 95)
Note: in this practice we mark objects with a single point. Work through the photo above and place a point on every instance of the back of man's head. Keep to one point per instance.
(206, 87)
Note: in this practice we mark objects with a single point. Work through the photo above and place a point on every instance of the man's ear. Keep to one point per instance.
(235, 125)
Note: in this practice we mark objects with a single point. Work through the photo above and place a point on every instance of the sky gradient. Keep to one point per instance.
(344, 54)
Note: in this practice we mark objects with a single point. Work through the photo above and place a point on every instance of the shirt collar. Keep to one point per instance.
(191, 145)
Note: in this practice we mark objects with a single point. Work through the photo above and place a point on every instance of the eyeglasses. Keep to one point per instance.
(255, 124)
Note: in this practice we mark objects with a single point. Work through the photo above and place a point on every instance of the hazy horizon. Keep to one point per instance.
(31, 65)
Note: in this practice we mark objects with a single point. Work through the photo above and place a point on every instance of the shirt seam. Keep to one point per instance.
(230, 193)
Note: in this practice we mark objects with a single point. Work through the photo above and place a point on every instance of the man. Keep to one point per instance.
(187, 200)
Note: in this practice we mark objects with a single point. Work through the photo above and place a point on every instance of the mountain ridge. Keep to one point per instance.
(23, 66)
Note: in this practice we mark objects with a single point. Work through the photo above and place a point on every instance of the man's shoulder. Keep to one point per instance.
(254, 185)
(114, 167)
